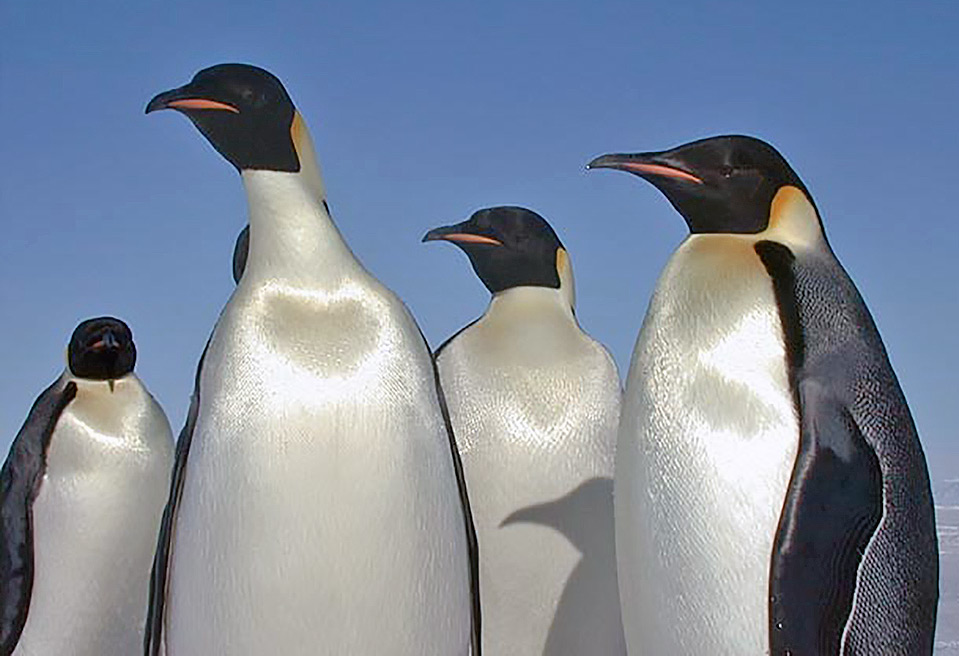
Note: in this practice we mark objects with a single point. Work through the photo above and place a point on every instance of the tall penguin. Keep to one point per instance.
(81, 495)
(535, 404)
(771, 492)
(318, 505)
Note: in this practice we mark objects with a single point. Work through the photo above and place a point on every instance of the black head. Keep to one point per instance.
(720, 184)
(101, 349)
(508, 247)
(244, 111)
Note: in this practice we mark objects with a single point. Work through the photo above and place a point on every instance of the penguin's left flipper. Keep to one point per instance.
(472, 543)
(153, 632)
(20, 481)
(241, 251)
(833, 507)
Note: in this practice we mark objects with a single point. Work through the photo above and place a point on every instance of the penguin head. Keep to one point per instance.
(101, 349)
(508, 247)
(242, 110)
(720, 185)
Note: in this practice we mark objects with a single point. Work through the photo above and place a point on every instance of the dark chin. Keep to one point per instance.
(103, 366)
(704, 214)
(247, 146)
(499, 275)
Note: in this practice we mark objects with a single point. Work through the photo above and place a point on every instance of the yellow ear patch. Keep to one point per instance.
(793, 219)
(562, 262)
(297, 133)
(564, 269)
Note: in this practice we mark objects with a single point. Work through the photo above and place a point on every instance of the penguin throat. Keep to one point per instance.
(530, 299)
(291, 230)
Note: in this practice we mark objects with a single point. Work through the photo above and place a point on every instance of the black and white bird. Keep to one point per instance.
(318, 505)
(771, 492)
(81, 495)
(534, 403)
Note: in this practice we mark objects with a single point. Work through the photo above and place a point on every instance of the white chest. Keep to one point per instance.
(706, 448)
(320, 487)
(534, 405)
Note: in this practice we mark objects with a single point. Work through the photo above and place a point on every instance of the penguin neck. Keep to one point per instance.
(526, 301)
(291, 232)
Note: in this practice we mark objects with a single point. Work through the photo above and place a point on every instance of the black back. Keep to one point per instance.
(856, 543)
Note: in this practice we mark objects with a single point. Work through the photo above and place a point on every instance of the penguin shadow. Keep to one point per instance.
(587, 619)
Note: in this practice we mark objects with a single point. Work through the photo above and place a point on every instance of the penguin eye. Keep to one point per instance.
(726, 171)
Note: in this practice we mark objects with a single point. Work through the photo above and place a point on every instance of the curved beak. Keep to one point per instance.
(643, 164)
(460, 234)
(186, 97)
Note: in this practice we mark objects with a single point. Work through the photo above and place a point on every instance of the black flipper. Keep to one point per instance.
(471, 541)
(153, 633)
(20, 481)
(833, 507)
(241, 250)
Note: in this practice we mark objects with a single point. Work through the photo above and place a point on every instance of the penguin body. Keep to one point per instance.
(534, 403)
(83, 492)
(317, 508)
(771, 491)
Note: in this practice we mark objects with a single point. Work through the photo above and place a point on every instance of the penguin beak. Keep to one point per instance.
(644, 165)
(460, 234)
(108, 341)
(186, 98)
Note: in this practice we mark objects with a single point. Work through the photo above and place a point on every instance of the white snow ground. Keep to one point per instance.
(947, 525)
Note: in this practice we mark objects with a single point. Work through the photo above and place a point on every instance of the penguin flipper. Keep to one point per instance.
(20, 481)
(241, 250)
(471, 540)
(833, 507)
(153, 632)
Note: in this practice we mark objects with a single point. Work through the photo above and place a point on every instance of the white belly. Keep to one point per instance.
(320, 513)
(533, 428)
(95, 523)
(706, 447)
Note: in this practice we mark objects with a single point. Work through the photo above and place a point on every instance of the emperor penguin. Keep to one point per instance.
(318, 504)
(771, 492)
(534, 403)
(81, 495)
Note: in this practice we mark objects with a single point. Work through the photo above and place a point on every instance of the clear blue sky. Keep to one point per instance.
(424, 112)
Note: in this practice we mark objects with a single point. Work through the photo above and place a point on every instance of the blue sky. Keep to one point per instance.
(423, 113)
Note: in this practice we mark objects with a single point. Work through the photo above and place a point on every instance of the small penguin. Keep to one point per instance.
(318, 503)
(81, 495)
(534, 403)
(771, 491)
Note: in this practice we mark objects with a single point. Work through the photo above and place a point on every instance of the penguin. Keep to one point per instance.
(534, 402)
(318, 503)
(772, 495)
(81, 495)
